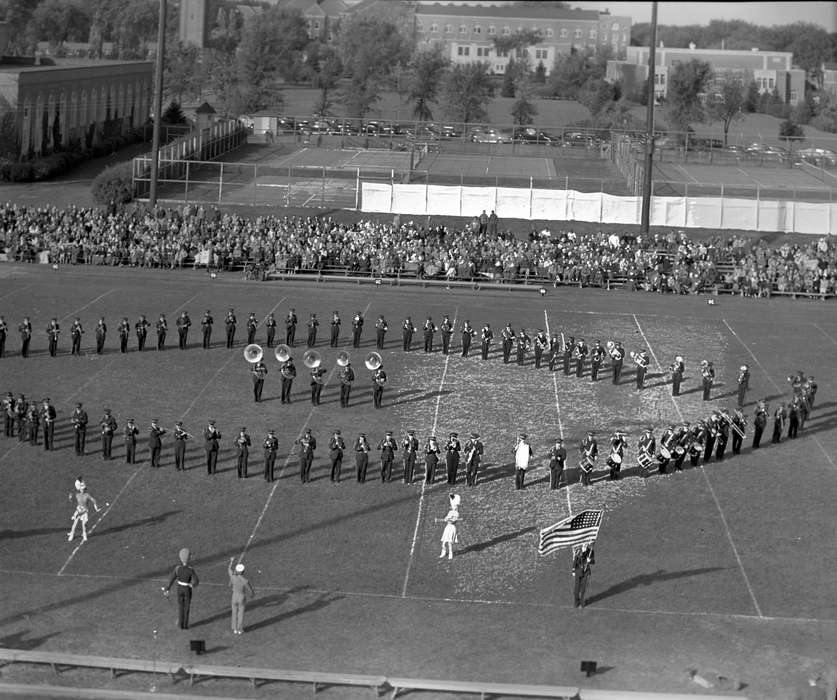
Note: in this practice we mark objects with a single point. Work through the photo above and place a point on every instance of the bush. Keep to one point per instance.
(114, 185)
(21, 172)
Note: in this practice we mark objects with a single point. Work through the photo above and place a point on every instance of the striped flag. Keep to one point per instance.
(574, 530)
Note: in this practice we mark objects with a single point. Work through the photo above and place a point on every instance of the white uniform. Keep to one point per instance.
(449, 533)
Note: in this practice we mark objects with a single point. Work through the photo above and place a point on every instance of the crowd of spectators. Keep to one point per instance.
(197, 236)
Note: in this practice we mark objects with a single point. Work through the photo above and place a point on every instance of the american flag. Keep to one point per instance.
(576, 529)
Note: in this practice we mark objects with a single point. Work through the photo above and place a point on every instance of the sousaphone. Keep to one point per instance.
(253, 353)
(373, 361)
(312, 359)
(343, 358)
(282, 353)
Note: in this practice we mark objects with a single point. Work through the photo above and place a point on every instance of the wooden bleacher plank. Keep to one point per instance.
(481, 688)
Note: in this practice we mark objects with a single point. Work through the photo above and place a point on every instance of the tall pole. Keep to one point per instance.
(647, 184)
(158, 104)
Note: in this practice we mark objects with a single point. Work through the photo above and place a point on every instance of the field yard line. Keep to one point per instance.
(817, 326)
(15, 291)
(709, 485)
(685, 172)
(89, 303)
(748, 174)
(305, 203)
(488, 165)
(183, 305)
(424, 481)
(558, 409)
(777, 387)
(287, 461)
(551, 173)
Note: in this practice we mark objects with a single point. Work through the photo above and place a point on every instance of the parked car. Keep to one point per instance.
(823, 157)
(492, 136)
(449, 132)
(528, 134)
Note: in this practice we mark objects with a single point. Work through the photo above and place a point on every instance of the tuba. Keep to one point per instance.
(373, 361)
(312, 359)
(282, 353)
(343, 358)
(253, 353)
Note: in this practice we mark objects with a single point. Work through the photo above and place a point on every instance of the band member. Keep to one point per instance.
(486, 336)
(242, 450)
(387, 446)
(711, 436)
(581, 352)
(162, 327)
(793, 417)
(81, 513)
(677, 369)
(618, 360)
(804, 409)
(347, 378)
(312, 325)
(739, 424)
(468, 334)
(9, 414)
(206, 330)
(252, 325)
(597, 355)
(259, 372)
(811, 391)
(180, 437)
(473, 456)
(336, 446)
(357, 329)
(290, 327)
(667, 442)
(431, 459)
(646, 448)
(287, 372)
(759, 422)
(567, 350)
(554, 352)
(557, 462)
(25, 330)
(583, 560)
(48, 416)
(381, 329)
(449, 537)
(53, 331)
(407, 330)
(270, 445)
(707, 372)
(681, 447)
(155, 442)
(522, 346)
(183, 323)
(33, 422)
(270, 325)
(589, 452)
(76, 331)
(108, 426)
(317, 382)
(452, 450)
(541, 345)
(307, 444)
(131, 433)
(141, 327)
(522, 455)
(618, 443)
(21, 409)
(79, 421)
(722, 437)
(779, 418)
(124, 331)
(4, 330)
(743, 384)
(334, 339)
(211, 444)
(362, 449)
(508, 337)
(447, 332)
(101, 335)
(187, 579)
(642, 362)
(410, 446)
(379, 379)
(699, 433)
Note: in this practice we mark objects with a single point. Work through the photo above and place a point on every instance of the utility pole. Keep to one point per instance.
(647, 184)
(158, 104)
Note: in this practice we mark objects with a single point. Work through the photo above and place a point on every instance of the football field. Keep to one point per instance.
(724, 568)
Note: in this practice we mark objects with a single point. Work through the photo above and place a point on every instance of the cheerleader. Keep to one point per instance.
(80, 514)
(449, 533)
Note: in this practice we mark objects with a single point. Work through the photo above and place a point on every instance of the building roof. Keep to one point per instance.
(69, 64)
(205, 108)
(523, 12)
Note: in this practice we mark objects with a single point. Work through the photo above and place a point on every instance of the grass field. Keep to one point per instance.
(726, 567)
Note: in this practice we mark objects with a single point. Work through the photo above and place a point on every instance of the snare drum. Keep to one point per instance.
(616, 458)
(645, 460)
(664, 453)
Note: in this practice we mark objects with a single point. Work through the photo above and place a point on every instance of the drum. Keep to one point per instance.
(664, 453)
(679, 450)
(645, 460)
(616, 458)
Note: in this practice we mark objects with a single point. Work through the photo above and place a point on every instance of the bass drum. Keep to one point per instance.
(664, 453)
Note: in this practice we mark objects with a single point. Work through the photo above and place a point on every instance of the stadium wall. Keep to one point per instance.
(786, 216)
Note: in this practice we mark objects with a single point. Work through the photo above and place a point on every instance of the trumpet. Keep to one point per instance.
(373, 361)
(282, 353)
(253, 353)
(343, 358)
(312, 359)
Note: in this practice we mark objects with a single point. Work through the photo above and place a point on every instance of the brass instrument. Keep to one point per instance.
(343, 358)
(735, 428)
(373, 361)
(253, 353)
(282, 353)
(638, 359)
(312, 359)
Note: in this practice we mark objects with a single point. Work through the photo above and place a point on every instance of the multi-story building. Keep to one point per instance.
(770, 70)
(467, 33)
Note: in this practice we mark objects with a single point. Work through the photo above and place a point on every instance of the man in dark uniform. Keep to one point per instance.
(230, 323)
(336, 446)
(473, 456)
(678, 367)
(379, 379)
(25, 330)
(387, 446)
(33, 423)
(447, 332)
(541, 346)
(508, 336)
(381, 328)
(76, 331)
(779, 418)
(743, 384)
(183, 324)
(307, 444)
(710, 437)
(557, 461)
(722, 438)
(642, 362)
(162, 327)
(252, 326)
(431, 459)
(53, 331)
(131, 433)
(347, 378)
(581, 352)
(124, 331)
(141, 328)
(589, 451)
(9, 414)
(759, 423)
(707, 372)
(4, 329)
(452, 450)
(618, 361)
(155, 442)
(21, 409)
(407, 330)
(522, 346)
(48, 416)
(362, 449)
(186, 579)
(567, 354)
(79, 421)
(334, 339)
(242, 449)
(270, 325)
(357, 329)
(739, 423)
(646, 447)
(101, 335)
(468, 334)
(211, 439)
(259, 372)
(290, 327)
(583, 560)
(180, 438)
(409, 445)
(681, 447)
(486, 336)
(317, 381)
(596, 357)
(109, 427)
(429, 330)
(271, 445)
(287, 371)
(554, 352)
(699, 433)
(206, 329)
(313, 324)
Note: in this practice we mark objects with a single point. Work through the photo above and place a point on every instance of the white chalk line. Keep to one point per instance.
(558, 410)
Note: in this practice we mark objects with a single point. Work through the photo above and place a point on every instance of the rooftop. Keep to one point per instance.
(507, 12)
(15, 64)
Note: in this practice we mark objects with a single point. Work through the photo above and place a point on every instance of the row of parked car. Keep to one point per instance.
(823, 157)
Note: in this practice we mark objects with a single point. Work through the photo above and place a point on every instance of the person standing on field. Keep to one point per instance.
(241, 590)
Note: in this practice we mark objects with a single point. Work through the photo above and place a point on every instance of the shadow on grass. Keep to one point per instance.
(422, 397)
(321, 601)
(272, 600)
(650, 579)
(480, 546)
(16, 640)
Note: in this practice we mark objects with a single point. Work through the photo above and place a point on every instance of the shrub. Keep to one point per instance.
(21, 172)
(113, 184)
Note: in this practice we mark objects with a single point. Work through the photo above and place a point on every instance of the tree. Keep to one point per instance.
(523, 108)
(791, 133)
(359, 96)
(687, 82)
(173, 114)
(424, 77)
(329, 68)
(596, 94)
(22, 40)
(57, 21)
(540, 73)
(513, 43)
(726, 107)
(222, 80)
(183, 71)
(465, 92)
(751, 99)
(507, 88)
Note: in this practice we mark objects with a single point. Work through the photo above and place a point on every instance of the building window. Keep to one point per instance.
(604, 36)
(794, 96)
(477, 29)
(615, 26)
(592, 33)
(541, 53)
(463, 29)
(492, 30)
(502, 53)
(550, 33)
(577, 33)
(448, 29)
(463, 50)
(770, 83)
(483, 52)
(564, 33)
(506, 31)
(434, 27)
(499, 68)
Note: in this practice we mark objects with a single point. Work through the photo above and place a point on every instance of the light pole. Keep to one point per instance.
(649, 128)
(158, 104)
